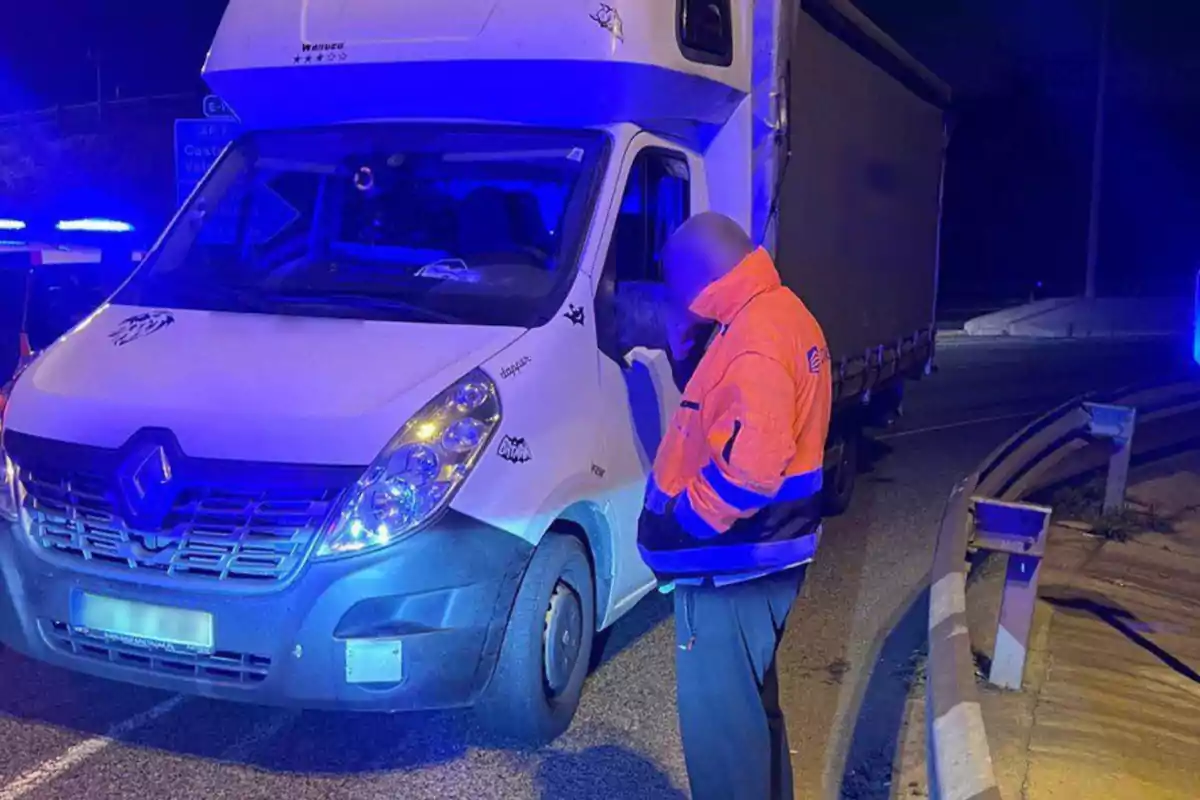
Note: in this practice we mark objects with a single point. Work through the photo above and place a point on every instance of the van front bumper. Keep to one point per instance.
(422, 621)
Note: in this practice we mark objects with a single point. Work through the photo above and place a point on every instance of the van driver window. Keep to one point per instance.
(655, 203)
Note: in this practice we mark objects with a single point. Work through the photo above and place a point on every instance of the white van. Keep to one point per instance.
(360, 432)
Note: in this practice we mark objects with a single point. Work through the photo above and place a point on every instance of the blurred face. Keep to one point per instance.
(684, 271)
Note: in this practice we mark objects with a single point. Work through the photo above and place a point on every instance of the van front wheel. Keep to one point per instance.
(547, 646)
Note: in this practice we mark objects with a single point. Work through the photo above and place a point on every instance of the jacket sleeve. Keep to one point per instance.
(749, 422)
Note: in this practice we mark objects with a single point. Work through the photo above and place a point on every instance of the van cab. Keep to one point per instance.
(349, 437)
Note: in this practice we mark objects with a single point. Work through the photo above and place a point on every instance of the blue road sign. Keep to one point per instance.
(198, 143)
(215, 107)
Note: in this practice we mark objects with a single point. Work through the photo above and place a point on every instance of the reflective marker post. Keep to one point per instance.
(1018, 529)
(1115, 423)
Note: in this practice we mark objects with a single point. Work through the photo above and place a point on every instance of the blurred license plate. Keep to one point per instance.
(143, 625)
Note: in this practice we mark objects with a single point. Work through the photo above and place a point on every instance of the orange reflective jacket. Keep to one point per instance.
(736, 481)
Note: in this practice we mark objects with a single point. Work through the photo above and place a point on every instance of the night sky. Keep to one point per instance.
(48, 49)
(1024, 72)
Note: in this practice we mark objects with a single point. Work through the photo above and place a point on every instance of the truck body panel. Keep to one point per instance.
(848, 174)
(544, 62)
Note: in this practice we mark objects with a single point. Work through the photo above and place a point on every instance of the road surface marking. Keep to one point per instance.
(953, 425)
(78, 753)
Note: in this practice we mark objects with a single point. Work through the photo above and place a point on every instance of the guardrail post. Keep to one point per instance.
(1117, 424)
(1018, 529)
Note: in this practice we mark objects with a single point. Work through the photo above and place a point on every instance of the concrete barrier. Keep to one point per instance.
(998, 323)
(1081, 318)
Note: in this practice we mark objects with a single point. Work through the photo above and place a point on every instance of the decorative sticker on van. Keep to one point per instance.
(609, 19)
(321, 53)
(575, 314)
(514, 369)
(515, 450)
(140, 326)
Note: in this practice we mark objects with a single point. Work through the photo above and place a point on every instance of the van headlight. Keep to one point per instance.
(418, 473)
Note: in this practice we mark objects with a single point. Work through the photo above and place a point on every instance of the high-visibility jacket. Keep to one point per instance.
(736, 482)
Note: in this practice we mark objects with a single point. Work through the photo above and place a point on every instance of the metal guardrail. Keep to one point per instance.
(1065, 443)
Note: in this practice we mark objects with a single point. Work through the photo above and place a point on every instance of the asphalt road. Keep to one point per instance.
(846, 665)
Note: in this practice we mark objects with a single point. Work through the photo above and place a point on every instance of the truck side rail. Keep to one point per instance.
(857, 376)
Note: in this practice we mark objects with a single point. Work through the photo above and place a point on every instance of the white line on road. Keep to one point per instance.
(953, 425)
(78, 753)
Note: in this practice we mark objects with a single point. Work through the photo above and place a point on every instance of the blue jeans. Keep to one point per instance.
(734, 738)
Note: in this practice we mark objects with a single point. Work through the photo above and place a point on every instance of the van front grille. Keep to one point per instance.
(209, 534)
(232, 523)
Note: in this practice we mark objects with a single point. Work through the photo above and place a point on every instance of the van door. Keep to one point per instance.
(663, 186)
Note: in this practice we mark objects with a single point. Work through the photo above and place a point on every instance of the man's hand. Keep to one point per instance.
(645, 317)
(641, 316)
(681, 335)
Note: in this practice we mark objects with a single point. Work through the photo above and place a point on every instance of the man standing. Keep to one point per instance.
(733, 507)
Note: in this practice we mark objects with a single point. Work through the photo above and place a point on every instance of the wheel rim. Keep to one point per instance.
(562, 638)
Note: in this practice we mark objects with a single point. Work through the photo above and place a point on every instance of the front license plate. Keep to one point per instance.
(143, 625)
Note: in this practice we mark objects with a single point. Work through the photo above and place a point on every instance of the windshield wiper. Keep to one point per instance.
(263, 300)
(324, 299)
(239, 296)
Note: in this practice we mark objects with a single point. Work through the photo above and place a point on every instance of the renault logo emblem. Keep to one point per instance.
(146, 481)
(153, 472)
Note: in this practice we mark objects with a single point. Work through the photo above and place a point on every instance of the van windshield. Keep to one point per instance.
(407, 223)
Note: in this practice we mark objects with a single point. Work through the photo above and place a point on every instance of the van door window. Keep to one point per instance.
(656, 201)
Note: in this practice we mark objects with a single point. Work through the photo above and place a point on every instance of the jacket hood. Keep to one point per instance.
(722, 299)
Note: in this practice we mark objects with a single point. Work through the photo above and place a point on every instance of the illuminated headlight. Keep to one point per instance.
(419, 471)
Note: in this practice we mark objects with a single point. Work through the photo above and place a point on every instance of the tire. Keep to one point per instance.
(526, 701)
(841, 475)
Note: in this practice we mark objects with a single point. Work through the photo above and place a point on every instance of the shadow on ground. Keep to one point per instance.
(871, 453)
(647, 615)
(879, 727)
(601, 773)
(312, 742)
(1121, 620)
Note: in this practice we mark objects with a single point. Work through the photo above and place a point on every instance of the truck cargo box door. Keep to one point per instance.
(361, 21)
